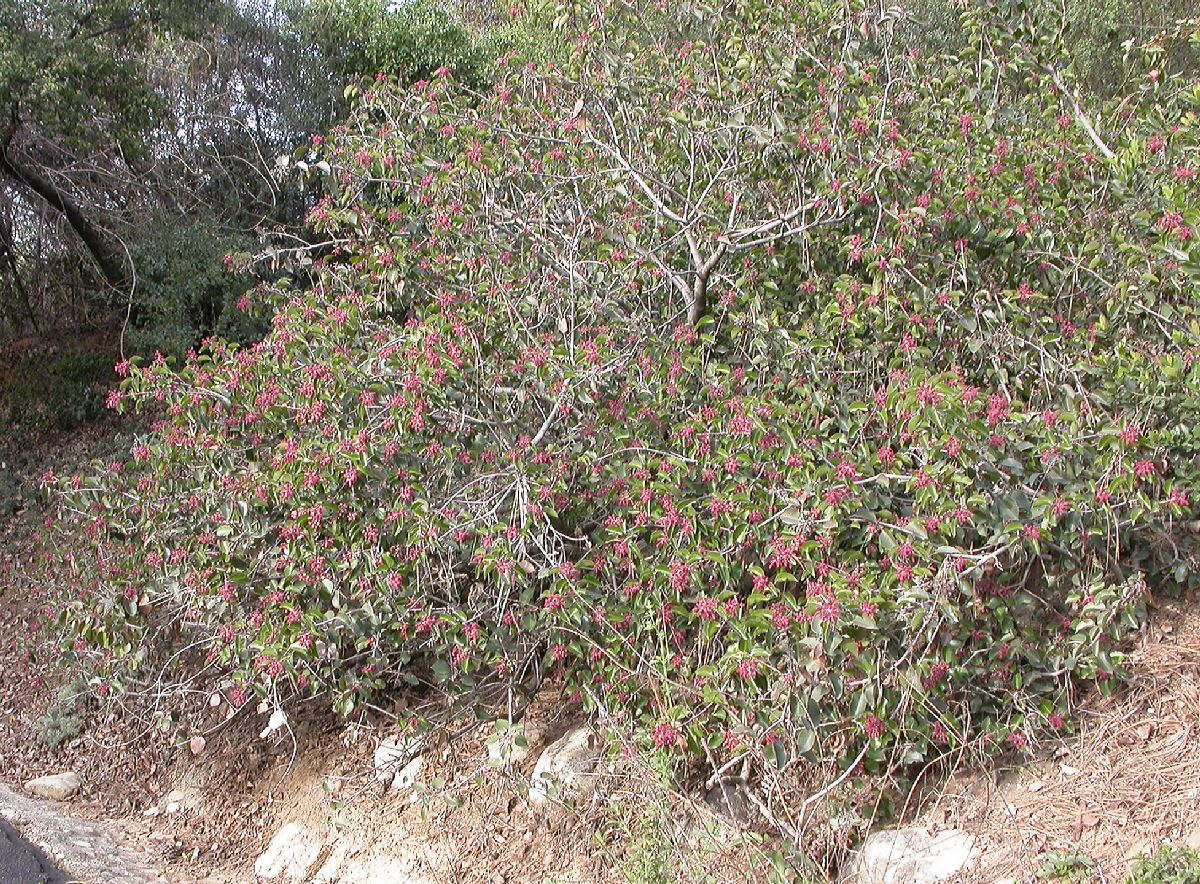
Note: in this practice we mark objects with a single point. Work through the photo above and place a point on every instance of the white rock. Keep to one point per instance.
(59, 786)
(563, 769)
(178, 800)
(404, 868)
(291, 853)
(504, 748)
(909, 856)
(278, 719)
(331, 870)
(389, 757)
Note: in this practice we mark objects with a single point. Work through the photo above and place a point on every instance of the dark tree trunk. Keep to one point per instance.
(108, 257)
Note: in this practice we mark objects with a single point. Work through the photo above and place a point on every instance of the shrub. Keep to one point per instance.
(186, 291)
(60, 391)
(67, 714)
(1168, 866)
(406, 40)
(783, 393)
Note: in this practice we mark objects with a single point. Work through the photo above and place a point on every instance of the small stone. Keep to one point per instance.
(564, 766)
(59, 786)
(1192, 839)
(196, 744)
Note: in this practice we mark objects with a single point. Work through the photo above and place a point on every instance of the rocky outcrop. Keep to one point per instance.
(564, 769)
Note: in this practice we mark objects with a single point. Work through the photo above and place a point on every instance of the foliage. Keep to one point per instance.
(1167, 866)
(786, 394)
(74, 71)
(58, 392)
(1095, 35)
(1065, 868)
(407, 40)
(67, 714)
(644, 842)
(187, 291)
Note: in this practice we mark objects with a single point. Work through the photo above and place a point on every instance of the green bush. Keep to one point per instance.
(59, 391)
(1095, 35)
(1168, 866)
(187, 290)
(67, 714)
(408, 40)
(781, 393)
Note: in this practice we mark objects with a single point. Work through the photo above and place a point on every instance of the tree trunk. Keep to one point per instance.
(107, 256)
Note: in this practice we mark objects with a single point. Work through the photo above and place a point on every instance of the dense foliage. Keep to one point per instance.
(782, 391)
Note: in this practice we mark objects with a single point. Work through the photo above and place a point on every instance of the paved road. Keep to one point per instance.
(22, 863)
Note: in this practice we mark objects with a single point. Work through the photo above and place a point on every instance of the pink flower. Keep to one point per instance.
(705, 608)
(873, 727)
(781, 617)
(927, 395)
(997, 409)
(741, 426)
(681, 576)
(664, 736)
(748, 669)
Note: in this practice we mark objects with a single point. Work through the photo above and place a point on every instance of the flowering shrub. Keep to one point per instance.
(780, 391)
